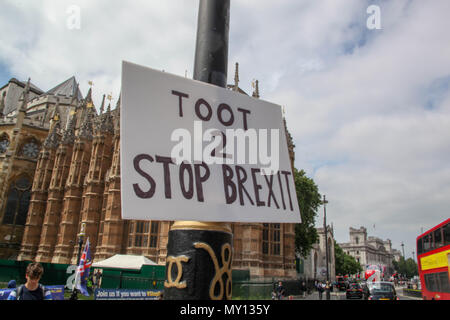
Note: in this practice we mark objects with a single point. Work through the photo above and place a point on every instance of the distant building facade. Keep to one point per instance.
(370, 250)
(314, 265)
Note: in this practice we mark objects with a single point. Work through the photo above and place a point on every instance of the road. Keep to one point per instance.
(341, 296)
(399, 294)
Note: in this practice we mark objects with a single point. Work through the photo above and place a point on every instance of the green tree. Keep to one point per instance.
(309, 201)
(411, 268)
(406, 267)
(345, 264)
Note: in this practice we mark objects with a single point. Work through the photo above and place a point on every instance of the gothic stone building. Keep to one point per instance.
(315, 263)
(60, 167)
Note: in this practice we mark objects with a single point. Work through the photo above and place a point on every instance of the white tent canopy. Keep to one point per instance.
(121, 261)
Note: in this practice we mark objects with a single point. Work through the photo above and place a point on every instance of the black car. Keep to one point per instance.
(354, 291)
(381, 291)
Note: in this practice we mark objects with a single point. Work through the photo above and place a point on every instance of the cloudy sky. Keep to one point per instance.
(369, 109)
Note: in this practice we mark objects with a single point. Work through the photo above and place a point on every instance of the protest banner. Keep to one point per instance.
(194, 151)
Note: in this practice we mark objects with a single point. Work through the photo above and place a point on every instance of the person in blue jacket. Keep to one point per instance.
(32, 289)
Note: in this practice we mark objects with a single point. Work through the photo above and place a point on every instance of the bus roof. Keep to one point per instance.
(434, 228)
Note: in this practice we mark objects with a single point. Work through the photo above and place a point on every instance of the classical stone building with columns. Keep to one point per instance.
(60, 168)
(370, 250)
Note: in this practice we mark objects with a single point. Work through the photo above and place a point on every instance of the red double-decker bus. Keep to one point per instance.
(433, 255)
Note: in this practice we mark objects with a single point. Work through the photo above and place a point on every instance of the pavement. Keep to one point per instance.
(315, 296)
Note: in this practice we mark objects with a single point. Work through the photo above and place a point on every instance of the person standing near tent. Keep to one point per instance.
(32, 289)
(97, 278)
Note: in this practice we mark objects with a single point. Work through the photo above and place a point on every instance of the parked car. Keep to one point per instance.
(381, 290)
(355, 290)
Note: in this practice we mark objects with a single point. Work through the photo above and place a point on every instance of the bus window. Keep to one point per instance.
(446, 232)
(427, 243)
(444, 281)
(431, 283)
(438, 238)
(419, 246)
(432, 244)
(437, 282)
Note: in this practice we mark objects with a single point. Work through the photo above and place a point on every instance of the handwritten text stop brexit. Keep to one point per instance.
(254, 185)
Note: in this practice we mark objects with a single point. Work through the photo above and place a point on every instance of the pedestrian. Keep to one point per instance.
(309, 288)
(32, 289)
(280, 291)
(97, 278)
(320, 290)
(304, 289)
(327, 290)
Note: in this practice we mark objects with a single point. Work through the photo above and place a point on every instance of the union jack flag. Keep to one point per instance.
(83, 270)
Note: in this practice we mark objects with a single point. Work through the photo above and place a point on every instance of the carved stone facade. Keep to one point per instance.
(74, 178)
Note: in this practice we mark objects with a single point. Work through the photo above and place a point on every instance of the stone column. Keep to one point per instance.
(114, 228)
(70, 218)
(55, 197)
(91, 211)
(39, 195)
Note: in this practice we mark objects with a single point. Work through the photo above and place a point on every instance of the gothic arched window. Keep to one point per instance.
(315, 265)
(330, 255)
(18, 202)
(4, 143)
(30, 149)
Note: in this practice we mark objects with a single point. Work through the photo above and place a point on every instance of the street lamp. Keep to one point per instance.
(325, 201)
(326, 241)
(403, 250)
(81, 235)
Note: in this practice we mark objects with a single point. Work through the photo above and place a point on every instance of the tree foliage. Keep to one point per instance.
(309, 201)
(406, 267)
(345, 264)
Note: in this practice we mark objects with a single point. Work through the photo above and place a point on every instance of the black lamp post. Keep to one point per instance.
(326, 243)
(81, 235)
(190, 273)
(326, 233)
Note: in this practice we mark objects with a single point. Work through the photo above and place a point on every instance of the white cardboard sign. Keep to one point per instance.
(194, 151)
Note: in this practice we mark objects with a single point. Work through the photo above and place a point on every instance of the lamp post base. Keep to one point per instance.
(199, 257)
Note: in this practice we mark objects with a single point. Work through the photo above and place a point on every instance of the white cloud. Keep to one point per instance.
(386, 156)
(158, 34)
